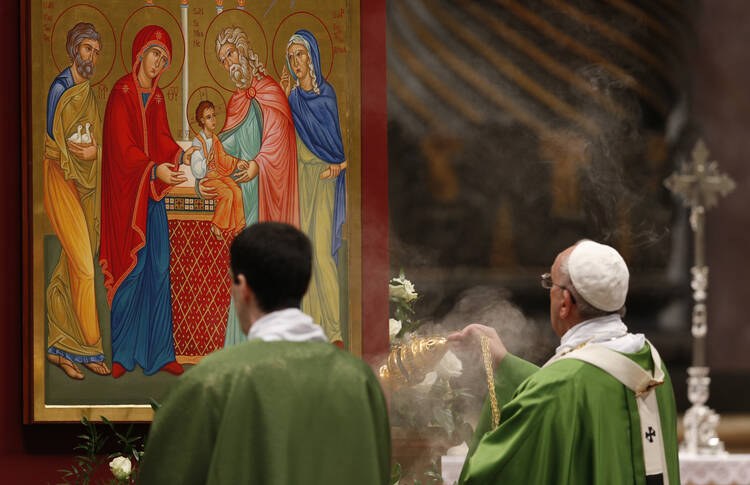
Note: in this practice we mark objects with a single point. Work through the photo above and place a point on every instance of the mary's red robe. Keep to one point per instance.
(278, 188)
(135, 139)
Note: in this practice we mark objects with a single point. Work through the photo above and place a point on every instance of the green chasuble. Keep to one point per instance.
(271, 413)
(568, 423)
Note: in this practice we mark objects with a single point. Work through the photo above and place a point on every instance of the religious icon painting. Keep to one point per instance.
(157, 131)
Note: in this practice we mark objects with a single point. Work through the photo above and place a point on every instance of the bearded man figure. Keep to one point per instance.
(259, 128)
(72, 176)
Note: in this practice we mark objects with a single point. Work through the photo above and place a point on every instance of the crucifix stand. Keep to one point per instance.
(699, 184)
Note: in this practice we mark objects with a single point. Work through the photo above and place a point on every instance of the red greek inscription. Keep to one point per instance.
(172, 93)
(338, 33)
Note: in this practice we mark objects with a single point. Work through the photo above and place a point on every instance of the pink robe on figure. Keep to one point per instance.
(278, 190)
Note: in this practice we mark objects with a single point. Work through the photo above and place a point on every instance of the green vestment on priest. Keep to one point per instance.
(272, 413)
(568, 423)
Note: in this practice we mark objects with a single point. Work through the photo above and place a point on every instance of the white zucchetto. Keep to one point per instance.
(599, 274)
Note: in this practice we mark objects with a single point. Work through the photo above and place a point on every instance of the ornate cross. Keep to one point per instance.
(700, 185)
(650, 434)
(699, 182)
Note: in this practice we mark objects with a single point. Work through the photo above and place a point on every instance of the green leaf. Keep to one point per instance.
(395, 473)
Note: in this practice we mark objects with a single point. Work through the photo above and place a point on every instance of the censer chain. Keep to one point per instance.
(487, 356)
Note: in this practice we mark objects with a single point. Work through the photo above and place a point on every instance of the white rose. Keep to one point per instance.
(411, 294)
(426, 384)
(394, 327)
(402, 289)
(396, 291)
(121, 467)
(449, 366)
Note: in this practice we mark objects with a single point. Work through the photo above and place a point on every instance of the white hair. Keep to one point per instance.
(298, 39)
(249, 64)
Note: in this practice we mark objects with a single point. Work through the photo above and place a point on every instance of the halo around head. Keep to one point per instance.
(90, 14)
(206, 93)
(297, 21)
(255, 34)
(154, 15)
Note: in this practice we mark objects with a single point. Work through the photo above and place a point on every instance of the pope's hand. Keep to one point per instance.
(468, 339)
(166, 174)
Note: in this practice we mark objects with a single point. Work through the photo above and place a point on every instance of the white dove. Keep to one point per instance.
(76, 137)
(86, 137)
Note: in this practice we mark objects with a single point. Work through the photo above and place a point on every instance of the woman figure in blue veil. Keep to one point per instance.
(321, 170)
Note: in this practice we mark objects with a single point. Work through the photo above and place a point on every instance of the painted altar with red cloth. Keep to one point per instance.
(199, 274)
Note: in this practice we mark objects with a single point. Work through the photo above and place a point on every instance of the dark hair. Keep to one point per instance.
(78, 34)
(276, 260)
(202, 106)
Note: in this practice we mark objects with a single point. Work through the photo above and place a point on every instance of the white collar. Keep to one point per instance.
(608, 331)
(289, 324)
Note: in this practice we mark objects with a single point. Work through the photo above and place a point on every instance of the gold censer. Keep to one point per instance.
(408, 364)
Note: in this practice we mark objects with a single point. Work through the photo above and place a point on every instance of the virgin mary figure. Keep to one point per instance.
(139, 166)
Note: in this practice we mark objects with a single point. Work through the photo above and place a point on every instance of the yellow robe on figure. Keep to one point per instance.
(72, 199)
(316, 199)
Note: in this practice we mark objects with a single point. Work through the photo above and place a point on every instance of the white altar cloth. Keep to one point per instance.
(731, 469)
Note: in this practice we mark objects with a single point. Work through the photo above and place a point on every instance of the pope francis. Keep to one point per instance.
(600, 411)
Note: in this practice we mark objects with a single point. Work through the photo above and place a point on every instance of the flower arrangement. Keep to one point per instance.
(438, 399)
(402, 296)
(123, 464)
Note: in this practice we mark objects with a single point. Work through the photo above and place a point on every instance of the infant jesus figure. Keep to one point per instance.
(215, 167)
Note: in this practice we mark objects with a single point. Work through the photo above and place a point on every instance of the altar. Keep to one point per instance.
(199, 274)
(730, 469)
